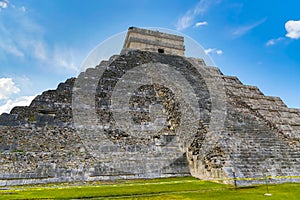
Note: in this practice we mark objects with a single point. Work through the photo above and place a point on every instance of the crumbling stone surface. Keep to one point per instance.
(259, 136)
(52, 107)
(41, 143)
(154, 41)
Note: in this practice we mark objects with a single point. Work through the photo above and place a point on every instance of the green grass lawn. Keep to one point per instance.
(171, 188)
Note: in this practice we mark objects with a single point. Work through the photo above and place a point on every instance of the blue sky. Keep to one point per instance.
(45, 42)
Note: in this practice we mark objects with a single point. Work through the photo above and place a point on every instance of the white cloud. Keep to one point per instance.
(207, 51)
(198, 24)
(274, 41)
(184, 22)
(33, 46)
(213, 50)
(21, 36)
(3, 4)
(21, 101)
(242, 30)
(24, 38)
(65, 58)
(219, 52)
(39, 50)
(293, 29)
(187, 19)
(11, 49)
(23, 9)
(7, 88)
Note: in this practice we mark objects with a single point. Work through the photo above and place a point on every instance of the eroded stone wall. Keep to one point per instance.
(74, 133)
(154, 41)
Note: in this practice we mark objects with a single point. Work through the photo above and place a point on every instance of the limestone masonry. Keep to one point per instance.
(150, 112)
(154, 41)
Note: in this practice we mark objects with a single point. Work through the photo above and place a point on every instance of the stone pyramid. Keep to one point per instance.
(150, 112)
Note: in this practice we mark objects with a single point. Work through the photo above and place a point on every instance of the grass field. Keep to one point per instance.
(171, 188)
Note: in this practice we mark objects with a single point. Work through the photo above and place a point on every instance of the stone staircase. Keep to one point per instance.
(260, 134)
(271, 109)
(266, 141)
(69, 134)
(159, 158)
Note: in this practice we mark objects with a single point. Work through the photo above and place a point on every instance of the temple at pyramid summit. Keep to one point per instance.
(153, 41)
(150, 112)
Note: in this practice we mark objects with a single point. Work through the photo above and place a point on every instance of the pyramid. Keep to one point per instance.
(146, 113)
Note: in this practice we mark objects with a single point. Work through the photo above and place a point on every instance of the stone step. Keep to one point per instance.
(231, 80)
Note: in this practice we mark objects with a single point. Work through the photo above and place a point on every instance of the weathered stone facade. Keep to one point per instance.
(79, 131)
(154, 41)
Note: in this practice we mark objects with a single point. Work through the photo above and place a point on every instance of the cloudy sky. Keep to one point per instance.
(45, 42)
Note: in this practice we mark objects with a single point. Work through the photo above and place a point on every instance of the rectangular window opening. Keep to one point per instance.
(161, 51)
